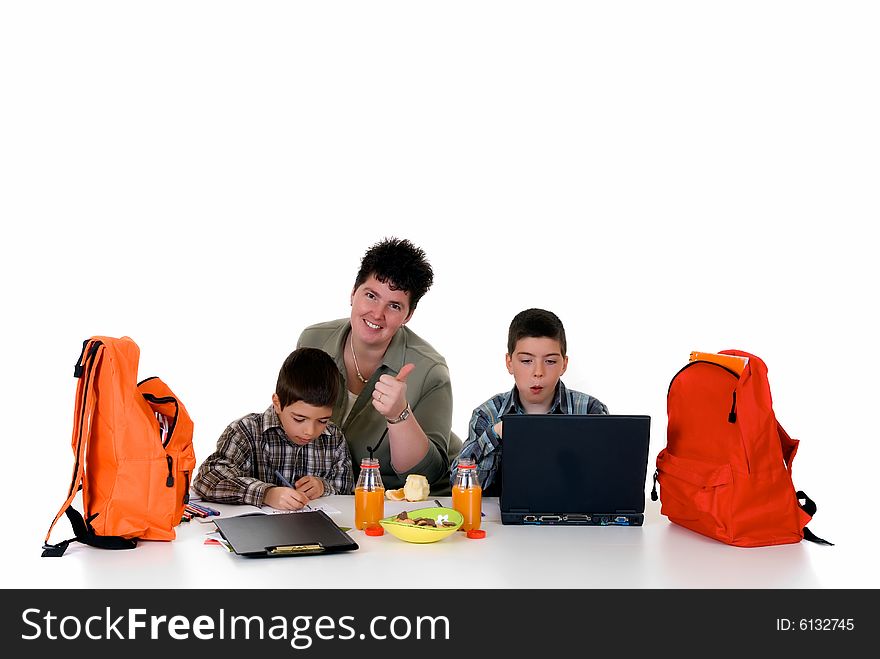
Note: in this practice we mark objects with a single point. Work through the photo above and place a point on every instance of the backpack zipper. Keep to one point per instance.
(699, 361)
(160, 400)
(731, 416)
(169, 482)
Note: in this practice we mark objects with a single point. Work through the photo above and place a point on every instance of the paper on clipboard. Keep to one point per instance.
(330, 510)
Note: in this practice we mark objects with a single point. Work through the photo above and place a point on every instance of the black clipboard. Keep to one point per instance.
(291, 534)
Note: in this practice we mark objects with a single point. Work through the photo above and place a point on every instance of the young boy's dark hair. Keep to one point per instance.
(401, 265)
(309, 375)
(536, 323)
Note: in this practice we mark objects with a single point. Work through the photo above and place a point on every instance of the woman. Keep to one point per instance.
(397, 398)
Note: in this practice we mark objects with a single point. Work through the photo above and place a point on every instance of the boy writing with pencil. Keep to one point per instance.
(536, 358)
(291, 453)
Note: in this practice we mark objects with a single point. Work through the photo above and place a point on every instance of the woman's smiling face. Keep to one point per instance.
(378, 311)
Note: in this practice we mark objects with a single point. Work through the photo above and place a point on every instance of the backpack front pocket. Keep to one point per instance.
(695, 494)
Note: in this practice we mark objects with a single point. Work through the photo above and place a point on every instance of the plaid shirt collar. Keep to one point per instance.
(561, 401)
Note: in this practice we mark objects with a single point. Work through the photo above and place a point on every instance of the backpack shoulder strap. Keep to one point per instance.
(809, 507)
(789, 450)
(84, 533)
(84, 406)
(84, 370)
(789, 446)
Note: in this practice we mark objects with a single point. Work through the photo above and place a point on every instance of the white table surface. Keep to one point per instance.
(656, 555)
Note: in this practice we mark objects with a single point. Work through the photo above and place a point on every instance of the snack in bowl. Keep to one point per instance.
(423, 525)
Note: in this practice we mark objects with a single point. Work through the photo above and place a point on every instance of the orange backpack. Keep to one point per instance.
(726, 468)
(132, 449)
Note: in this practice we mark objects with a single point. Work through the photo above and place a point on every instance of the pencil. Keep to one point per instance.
(286, 483)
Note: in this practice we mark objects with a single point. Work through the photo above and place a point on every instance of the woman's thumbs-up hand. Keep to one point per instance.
(389, 394)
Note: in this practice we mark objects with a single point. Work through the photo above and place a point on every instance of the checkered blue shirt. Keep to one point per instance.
(484, 445)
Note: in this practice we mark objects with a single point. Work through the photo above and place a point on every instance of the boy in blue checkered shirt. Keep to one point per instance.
(536, 358)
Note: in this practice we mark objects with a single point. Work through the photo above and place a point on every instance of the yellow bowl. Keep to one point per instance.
(423, 534)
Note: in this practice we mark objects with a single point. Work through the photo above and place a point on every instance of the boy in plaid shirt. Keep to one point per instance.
(292, 443)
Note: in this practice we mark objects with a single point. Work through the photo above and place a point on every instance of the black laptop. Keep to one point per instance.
(568, 469)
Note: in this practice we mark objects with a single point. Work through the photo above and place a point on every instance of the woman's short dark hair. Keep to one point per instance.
(309, 375)
(536, 323)
(401, 265)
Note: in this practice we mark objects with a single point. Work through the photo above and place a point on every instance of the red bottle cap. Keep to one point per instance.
(476, 534)
(374, 530)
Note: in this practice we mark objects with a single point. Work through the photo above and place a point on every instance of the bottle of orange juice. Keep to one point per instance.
(369, 495)
(467, 495)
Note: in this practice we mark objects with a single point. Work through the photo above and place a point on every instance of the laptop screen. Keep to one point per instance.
(590, 464)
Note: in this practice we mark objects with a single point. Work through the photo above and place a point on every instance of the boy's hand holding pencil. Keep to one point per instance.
(286, 496)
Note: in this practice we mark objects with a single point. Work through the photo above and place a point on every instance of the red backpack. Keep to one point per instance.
(132, 449)
(726, 468)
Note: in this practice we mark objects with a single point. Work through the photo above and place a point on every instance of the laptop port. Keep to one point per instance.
(530, 518)
(550, 518)
(578, 518)
(621, 519)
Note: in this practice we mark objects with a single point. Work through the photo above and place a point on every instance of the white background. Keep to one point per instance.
(666, 176)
